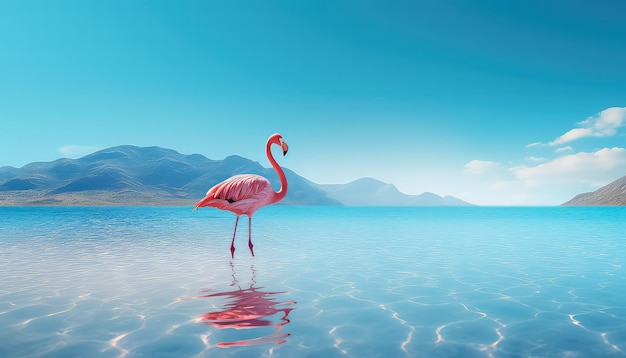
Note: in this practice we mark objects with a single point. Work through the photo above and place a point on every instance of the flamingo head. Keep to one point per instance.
(278, 139)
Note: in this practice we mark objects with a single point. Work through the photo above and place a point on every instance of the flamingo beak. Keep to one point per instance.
(285, 148)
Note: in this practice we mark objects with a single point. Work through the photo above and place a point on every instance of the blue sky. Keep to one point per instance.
(495, 102)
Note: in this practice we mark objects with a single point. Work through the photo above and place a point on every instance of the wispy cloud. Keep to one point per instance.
(478, 167)
(76, 151)
(535, 159)
(535, 144)
(564, 149)
(590, 168)
(604, 124)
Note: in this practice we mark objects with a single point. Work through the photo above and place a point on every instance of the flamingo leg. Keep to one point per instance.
(250, 235)
(232, 244)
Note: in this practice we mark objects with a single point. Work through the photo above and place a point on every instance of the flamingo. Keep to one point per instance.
(244, 194)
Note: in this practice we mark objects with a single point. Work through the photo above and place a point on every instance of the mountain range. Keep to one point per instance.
(612, 194)
(130, 175)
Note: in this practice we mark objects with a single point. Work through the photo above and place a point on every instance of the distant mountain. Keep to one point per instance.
(130, 175)
(613, 194)
(372, 192)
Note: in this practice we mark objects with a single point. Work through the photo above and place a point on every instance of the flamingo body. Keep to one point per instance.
(241, 194)
(244, 194)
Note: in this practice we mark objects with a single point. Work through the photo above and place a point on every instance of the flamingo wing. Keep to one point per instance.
(239, 187)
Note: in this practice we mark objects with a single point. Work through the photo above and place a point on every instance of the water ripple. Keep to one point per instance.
(481, 282)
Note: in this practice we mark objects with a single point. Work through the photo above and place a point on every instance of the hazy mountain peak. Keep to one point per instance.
(131, 152)
(372, 192)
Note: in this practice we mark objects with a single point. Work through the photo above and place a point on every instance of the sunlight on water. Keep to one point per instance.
(328, 282)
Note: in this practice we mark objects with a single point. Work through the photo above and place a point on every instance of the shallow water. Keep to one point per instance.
(325, 281)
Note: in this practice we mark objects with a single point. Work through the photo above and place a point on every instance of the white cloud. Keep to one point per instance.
(535, 144)
(76, 151)
(564, 149)
(551, 182)
(555, 177)
(594, 169)
(478, 167)
(605, 124)
(535, 159)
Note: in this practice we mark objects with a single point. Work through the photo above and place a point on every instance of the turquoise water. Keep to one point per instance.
(325, 282)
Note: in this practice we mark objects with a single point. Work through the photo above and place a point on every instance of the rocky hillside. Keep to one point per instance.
(613, 194)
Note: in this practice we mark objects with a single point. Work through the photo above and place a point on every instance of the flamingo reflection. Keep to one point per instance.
(250, 308)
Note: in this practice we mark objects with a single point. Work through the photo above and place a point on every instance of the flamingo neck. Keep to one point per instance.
(282, 192)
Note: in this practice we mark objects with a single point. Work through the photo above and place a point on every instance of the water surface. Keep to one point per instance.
(325, 282)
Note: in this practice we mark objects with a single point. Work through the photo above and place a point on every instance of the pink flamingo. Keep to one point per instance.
(245, 193)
